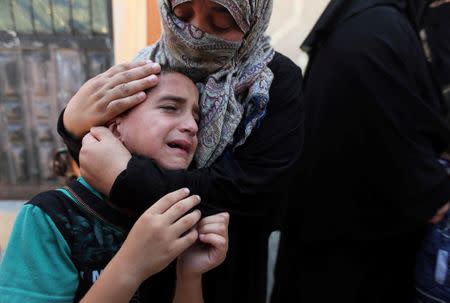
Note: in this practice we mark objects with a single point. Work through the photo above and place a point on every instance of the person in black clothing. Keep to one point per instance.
(369, 179)
(250, 135)
(437, 28)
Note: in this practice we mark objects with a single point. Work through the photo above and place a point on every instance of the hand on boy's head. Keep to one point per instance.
(163, 232)
(211, 249)
(101, 172)
(109, 94)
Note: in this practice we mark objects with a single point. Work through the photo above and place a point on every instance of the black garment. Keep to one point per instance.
(437, 27)
(370, 178)
(95, 232)
(250, 183)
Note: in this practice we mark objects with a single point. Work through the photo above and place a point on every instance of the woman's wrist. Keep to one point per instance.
(71, 128)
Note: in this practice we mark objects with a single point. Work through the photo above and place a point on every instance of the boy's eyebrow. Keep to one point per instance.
(173, 98)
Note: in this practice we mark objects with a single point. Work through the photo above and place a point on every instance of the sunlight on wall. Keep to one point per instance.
(290, 24)
(130, 28)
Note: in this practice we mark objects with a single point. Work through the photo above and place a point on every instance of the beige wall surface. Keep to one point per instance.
(8, 212)
(130, 28)
(290, 24)
(6, 223)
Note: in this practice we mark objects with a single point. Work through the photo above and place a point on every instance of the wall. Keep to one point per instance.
(290, 24)
(130, 28)
(136, 25)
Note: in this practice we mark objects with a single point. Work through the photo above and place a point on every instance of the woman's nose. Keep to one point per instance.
(199, 18)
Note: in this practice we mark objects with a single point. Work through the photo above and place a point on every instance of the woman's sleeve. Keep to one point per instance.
(37, 266)
(73, 144)
(248, 182)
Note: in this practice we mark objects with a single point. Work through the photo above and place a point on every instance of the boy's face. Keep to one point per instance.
(164, 126)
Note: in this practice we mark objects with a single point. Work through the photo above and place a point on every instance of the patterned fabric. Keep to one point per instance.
(233, 77)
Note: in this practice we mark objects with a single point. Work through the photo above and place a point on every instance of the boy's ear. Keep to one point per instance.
(114, 127)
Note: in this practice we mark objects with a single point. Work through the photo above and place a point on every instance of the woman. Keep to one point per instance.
(249, 138)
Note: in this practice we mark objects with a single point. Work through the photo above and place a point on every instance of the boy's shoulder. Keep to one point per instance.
(58, 206)
(49, 199)
(62, 211)
(91, 237)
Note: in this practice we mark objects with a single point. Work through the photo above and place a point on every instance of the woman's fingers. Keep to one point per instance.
(101, 133)
(139, 72)
(163, 204)
(132, 87)
(88, 139)
(116, 107)
(126, 89)
(108, 94)
(102, 158)
(124, 67)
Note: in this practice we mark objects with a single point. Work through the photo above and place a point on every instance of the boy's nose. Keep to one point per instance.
(190, 126)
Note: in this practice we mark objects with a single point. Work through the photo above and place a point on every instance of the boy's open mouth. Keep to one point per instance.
(180, 144)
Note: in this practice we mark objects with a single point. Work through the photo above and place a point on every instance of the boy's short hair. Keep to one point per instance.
(166, 69)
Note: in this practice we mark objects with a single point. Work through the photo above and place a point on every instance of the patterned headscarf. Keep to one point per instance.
(233, 77)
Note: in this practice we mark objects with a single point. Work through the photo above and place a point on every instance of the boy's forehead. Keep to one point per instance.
(174, 86)
(173, 80)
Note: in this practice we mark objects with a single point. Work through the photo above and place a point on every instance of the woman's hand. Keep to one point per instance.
(109, 94)
(211, 249)
(102, 158)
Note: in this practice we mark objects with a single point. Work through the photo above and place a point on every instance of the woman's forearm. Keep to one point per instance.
(189, 290)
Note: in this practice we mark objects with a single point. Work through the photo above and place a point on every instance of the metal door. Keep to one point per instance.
(48, 49)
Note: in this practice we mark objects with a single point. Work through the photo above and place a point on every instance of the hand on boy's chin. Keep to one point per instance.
(102, 158)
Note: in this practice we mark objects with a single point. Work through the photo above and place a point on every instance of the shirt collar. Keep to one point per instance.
(89, 187)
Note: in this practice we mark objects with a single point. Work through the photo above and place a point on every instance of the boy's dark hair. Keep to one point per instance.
(166, 69)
